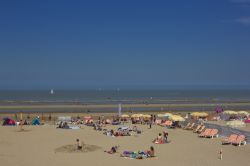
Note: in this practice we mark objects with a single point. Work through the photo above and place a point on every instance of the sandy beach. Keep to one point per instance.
(37, 144)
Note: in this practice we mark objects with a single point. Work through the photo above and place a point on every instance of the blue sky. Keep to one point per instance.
(90, 44)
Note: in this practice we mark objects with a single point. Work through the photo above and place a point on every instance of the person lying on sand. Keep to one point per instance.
(112, 150)
(140, 154)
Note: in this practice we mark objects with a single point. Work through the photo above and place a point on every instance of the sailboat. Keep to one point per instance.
(51, 91)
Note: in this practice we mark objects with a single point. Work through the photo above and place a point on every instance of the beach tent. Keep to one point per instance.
(236, 124)
(8, 122)
(64, 118)
(36, 121)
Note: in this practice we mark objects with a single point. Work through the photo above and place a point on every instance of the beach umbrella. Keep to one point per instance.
(108, 121)
(164, 116)
(177, 118)
(243, 113)
(199, 114)
(229, 112)
(168, 114)
(236, 123)
(146, 116)
(124, 116)
(137, 115)
(160, 115)
(87, 117)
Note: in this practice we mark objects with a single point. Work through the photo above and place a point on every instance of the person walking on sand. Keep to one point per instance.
(220, 153)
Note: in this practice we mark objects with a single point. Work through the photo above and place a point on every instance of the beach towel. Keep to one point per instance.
(136, 155)
(74, 127)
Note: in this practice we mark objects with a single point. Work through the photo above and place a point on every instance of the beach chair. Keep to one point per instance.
(212, 134)
(191, 127)
(158, 121)
(197, 128)
(188, 125)
(166, 123)
(229, 139)
(206, 132)
(200, 130)
(241, 140)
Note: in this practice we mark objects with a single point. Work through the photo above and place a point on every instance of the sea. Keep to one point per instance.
(118, 96)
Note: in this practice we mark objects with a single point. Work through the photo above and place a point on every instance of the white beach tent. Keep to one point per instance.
(64, 118)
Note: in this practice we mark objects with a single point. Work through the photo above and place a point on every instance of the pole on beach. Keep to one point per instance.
(21, 121)
(120, 110)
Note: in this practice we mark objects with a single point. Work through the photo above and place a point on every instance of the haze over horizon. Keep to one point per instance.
(125, 44)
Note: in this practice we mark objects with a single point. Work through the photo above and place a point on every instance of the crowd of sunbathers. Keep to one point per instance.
(123, 131)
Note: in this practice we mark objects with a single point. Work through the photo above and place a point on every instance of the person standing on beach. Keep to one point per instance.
(78, 144)
(150, 124)
(151, 121)
(220, 153)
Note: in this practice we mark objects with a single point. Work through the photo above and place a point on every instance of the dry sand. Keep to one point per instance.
(37, 147)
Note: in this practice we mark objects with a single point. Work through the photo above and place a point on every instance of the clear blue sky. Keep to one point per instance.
(83, 44)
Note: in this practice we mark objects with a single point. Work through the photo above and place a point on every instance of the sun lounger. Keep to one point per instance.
(229, 139)
(197, 128)
(212, 134)
(206, 132)
(241, 140)
(158, 121)
(201, 129)
(190, 127)
(166, 123)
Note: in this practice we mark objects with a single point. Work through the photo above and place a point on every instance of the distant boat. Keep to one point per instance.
(52, 92)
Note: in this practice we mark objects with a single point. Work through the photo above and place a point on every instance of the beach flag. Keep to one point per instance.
(119, 110)
(219, 110)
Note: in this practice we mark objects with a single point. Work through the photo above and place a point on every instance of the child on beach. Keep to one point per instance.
(78, 144)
